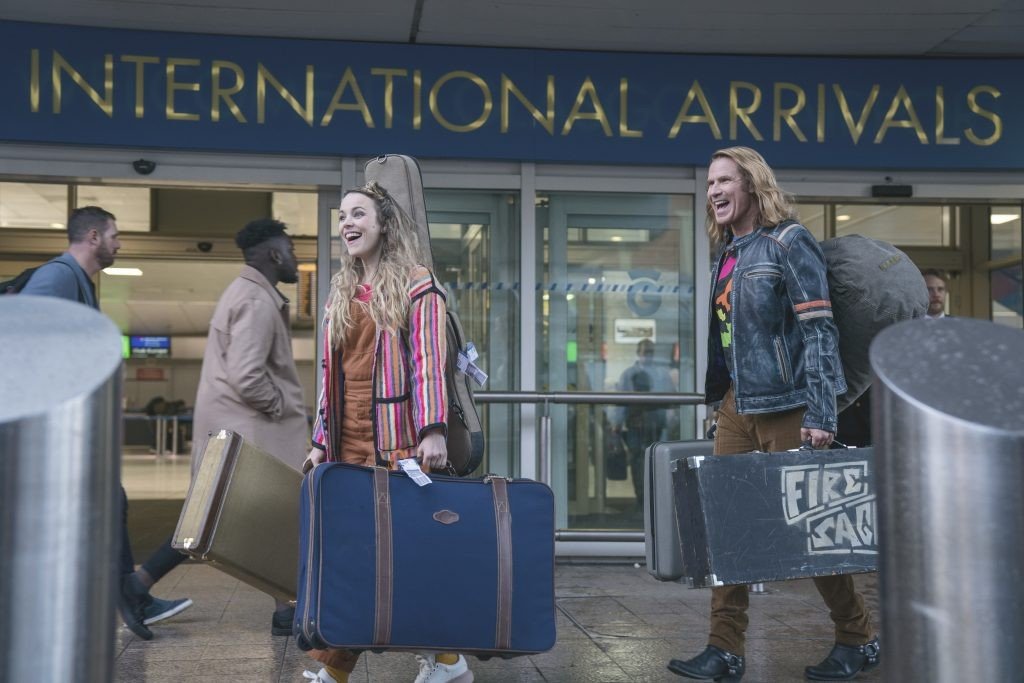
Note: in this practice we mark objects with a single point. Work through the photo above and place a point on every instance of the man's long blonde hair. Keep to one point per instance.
(389, 300)
(774, 205)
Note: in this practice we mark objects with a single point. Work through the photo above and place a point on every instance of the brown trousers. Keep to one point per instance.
(775, 432)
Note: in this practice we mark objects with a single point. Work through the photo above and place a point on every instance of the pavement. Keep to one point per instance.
(615, 623)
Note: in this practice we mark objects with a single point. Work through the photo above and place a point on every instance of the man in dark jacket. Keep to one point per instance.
(92, 246)
(773, 362)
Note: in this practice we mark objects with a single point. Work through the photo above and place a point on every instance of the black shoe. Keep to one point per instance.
(845, 662)
(714, 664)
(281, 622)
(132, 604)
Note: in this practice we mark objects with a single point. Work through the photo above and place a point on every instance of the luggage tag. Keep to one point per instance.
(412, 468)
(466, 365)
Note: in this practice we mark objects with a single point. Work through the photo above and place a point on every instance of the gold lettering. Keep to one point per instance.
(587, 91)
(696, 93)
(263, 76)
(856, 129)
(781, 113)
(940, 119)
(33, 87)
(547, 120)
(219, 93)
(736, 112)
(173, 86)
(389, 92)
(140, 63)
(821, 112)
(475, 123)
(997, 121)
(890, 121)
(105, 103)
(348, 80)
(417, 99)
(624, 130)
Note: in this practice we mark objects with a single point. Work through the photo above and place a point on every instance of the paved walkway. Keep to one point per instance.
(615, 623)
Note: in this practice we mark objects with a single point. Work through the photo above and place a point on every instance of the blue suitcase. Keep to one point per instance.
(459, 565)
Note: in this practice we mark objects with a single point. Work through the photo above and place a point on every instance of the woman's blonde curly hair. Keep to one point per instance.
(773, 204)
(389, 299)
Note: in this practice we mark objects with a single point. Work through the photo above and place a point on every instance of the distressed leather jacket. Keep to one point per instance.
(785, 347)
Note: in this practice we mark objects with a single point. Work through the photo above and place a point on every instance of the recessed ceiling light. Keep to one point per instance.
(591, 280)
(616, 238)
(130, 272)
(1000, 218)
(843, 217)
(570, 297)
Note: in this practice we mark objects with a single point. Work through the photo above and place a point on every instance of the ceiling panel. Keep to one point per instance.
(870, 27)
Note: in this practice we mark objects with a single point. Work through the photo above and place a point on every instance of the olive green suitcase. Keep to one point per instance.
(242, 515)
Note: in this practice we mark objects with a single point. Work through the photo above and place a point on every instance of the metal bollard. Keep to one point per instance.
(948, 419)
(60, 445)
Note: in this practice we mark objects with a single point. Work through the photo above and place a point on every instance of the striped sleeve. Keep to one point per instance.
(428, 353)
(820, 308)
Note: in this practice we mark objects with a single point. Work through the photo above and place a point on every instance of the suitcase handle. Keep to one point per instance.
(834, 445)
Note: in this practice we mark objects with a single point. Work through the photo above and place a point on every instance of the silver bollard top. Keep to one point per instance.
(965, 368)
(54, 350)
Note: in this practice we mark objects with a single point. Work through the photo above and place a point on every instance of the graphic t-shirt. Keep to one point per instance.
(723, 305)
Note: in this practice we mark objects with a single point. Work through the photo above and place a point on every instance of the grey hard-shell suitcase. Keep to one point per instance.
(661, 535)
(758, 517)
(241, 515)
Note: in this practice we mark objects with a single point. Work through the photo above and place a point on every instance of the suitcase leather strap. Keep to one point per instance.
(385, 568)
(503, 524)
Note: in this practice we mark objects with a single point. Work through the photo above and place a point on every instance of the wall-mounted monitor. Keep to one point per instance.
(149, 347)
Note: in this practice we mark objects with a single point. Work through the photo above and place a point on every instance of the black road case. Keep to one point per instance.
(758, 517)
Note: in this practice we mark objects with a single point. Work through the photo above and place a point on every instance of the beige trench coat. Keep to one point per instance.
(249, 383)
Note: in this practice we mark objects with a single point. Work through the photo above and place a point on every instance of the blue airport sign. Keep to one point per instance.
(93, 86)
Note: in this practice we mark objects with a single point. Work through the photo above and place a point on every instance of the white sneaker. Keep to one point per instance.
(319, 677)
(432, 671)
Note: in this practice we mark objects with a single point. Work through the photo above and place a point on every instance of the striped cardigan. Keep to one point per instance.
(409, 392)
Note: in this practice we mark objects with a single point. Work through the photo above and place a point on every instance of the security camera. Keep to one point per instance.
(204, 246)
(144, 166)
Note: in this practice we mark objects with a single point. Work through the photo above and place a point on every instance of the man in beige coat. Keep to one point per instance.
(249, 383)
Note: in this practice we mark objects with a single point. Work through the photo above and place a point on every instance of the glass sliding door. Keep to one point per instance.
(474, 240)
(615, 301)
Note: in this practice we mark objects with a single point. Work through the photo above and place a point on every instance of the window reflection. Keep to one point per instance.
(131, 205)
(616, 311)
(1008, 296)
(1006, 231)
(812, 217)
(298, 210)
(33, 205)
(910, 226)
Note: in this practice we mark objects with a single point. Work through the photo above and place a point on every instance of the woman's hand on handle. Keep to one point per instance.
(432, 451)
(315, 457)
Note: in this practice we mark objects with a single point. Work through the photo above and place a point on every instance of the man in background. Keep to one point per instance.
(641, 425)
(937, 282)
(249, 383)
(92, 246)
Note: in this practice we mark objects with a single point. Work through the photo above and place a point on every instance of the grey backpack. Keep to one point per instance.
(872, 285)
